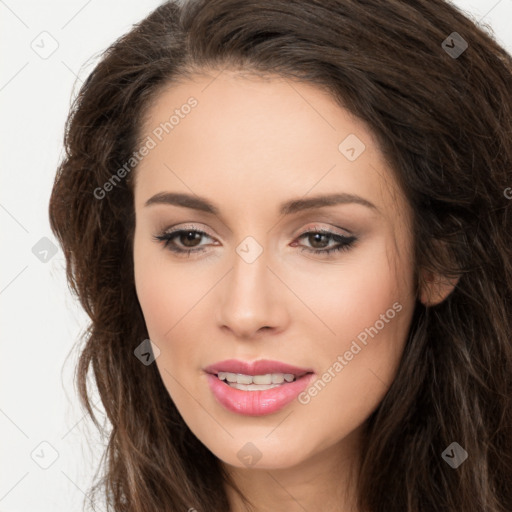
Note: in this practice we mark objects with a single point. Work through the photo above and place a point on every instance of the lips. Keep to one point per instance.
(261, 367)
(252, 402)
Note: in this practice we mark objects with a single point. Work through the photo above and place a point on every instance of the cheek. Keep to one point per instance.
(167, 311)
(369, 308)
(157, 288)
(351, 295)
(157, 301)
(166, 293)
(163, 305)
(173, 302)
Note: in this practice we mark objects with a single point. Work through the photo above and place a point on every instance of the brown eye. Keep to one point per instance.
(319, 241)
(315, 239)
(188, 238)
(183, 241)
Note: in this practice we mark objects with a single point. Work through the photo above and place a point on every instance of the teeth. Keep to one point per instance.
(254, 387)
(277, 378)
(243, 379)
(262, 379)
(256, 380)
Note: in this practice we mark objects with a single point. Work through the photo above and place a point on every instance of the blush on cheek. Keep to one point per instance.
(157, 301)
(172, 312)
(355, 304)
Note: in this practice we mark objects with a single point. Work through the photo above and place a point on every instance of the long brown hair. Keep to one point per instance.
(442, 114)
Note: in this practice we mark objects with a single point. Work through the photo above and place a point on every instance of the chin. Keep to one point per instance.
(259, 455)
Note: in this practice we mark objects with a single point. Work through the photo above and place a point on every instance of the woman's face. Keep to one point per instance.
(259, 166)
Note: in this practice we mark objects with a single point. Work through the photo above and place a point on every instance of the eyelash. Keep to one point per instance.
(345, 242)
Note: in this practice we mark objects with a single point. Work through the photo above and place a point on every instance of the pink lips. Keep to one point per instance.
(256, 403)
(261, 367)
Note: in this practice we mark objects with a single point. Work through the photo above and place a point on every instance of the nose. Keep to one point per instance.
(252, 299)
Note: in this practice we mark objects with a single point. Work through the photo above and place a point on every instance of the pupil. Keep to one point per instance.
(190, 236)
(316, 238)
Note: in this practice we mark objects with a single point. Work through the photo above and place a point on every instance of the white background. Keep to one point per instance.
(40, 320)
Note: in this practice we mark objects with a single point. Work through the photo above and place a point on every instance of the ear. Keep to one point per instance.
(434, 288)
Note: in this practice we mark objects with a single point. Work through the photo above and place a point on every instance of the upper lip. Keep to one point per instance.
(261, 367)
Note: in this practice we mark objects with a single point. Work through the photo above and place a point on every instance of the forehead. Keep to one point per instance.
(251, 139)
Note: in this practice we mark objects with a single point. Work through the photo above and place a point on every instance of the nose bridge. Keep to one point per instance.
(249, 299)
(249, 275)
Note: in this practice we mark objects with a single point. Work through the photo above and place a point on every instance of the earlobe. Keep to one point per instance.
(436, 288)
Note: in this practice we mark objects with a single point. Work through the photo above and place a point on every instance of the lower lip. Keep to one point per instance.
(257, 403)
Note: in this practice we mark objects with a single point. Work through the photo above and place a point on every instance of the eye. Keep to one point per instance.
(188, 241)
(184, 242)
(321, 238)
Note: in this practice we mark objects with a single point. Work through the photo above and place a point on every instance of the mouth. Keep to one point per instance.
(257, 382)
(257, 388)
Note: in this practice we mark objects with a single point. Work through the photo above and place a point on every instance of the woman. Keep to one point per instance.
(289, 225)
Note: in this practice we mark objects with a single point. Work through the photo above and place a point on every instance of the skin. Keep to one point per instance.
(249, 145)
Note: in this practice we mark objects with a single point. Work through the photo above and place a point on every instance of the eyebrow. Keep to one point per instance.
(287, 208)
